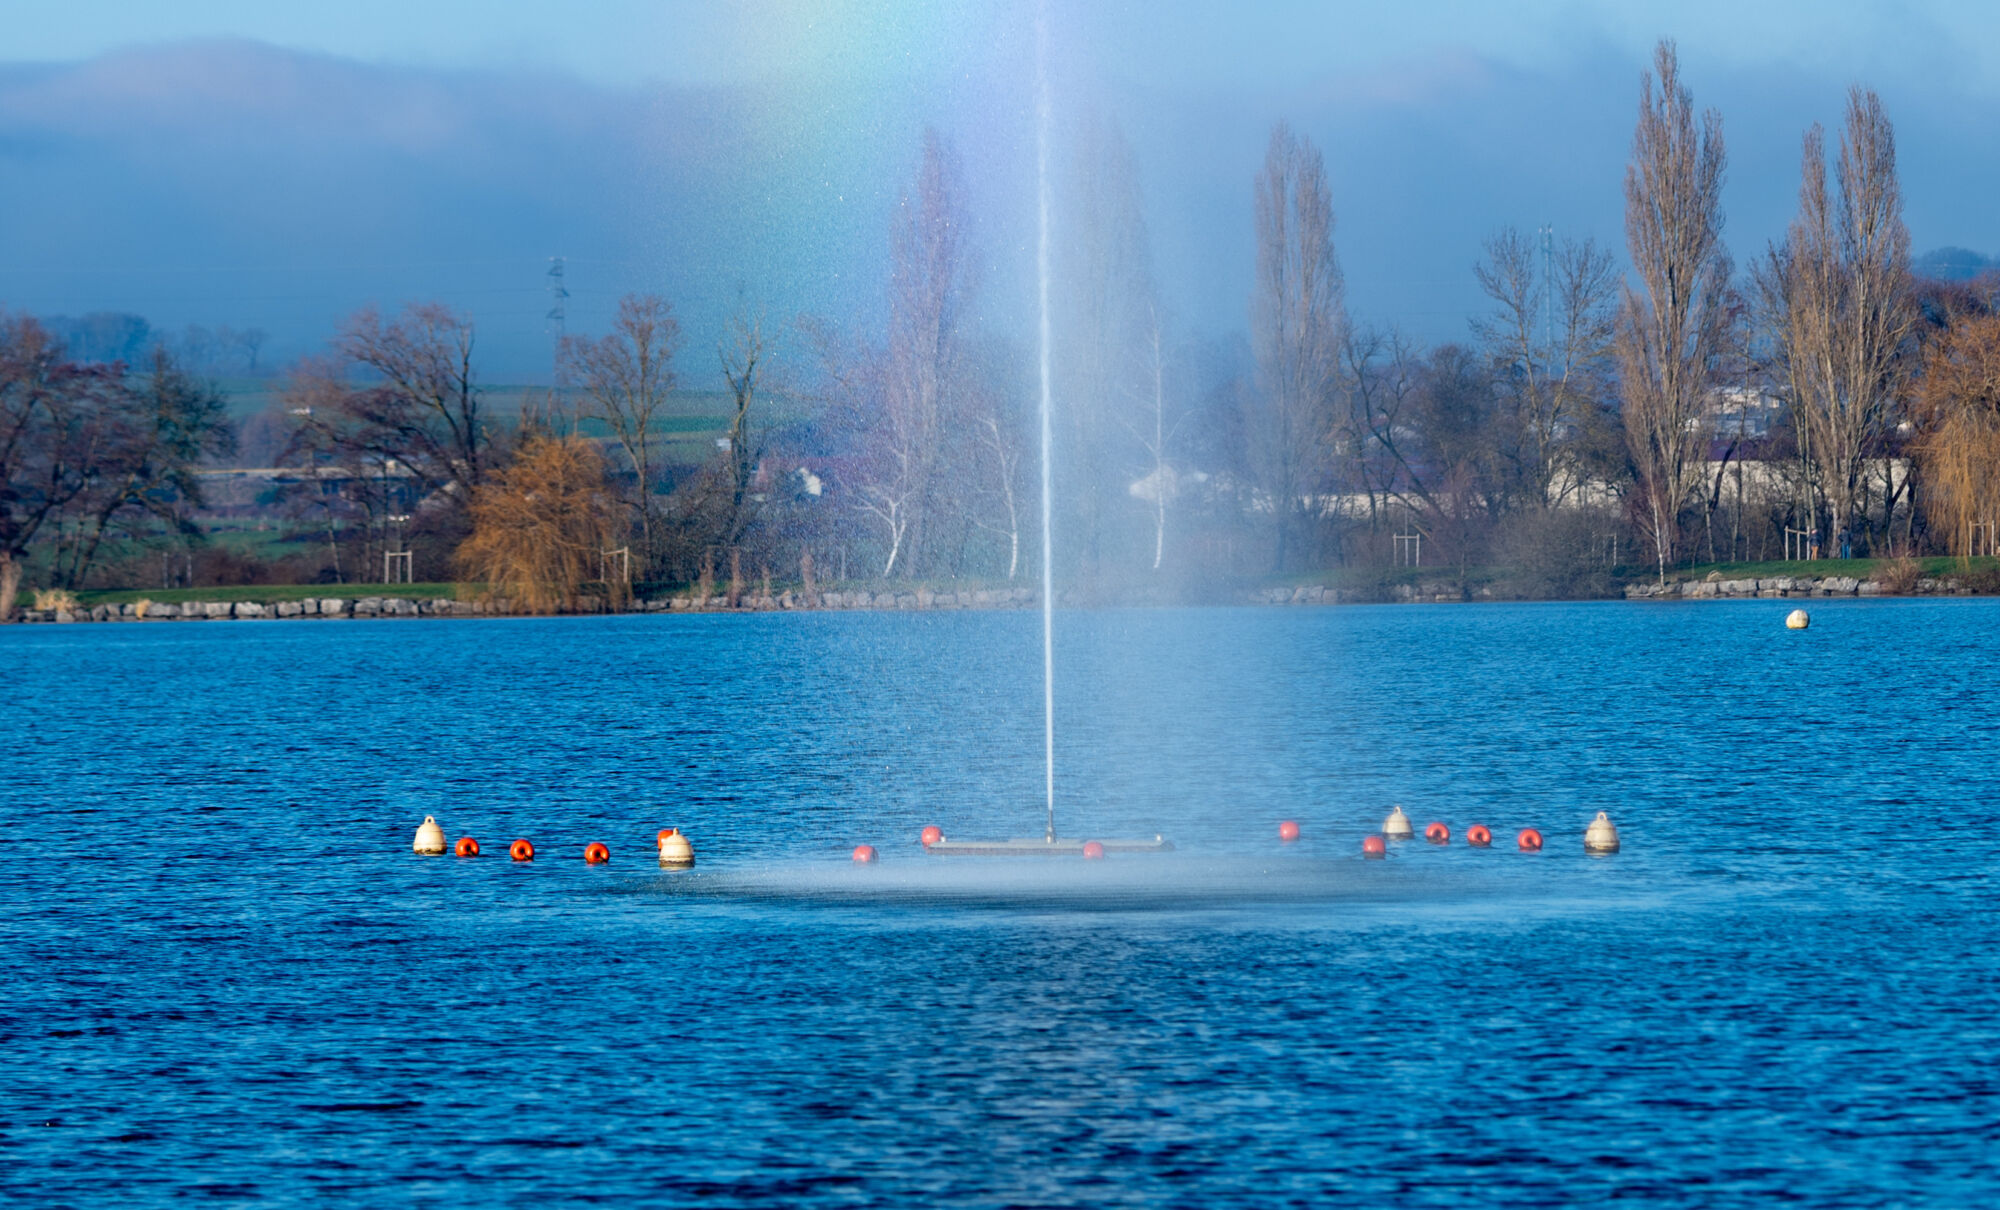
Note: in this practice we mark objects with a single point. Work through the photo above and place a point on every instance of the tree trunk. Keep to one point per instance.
(10, 584)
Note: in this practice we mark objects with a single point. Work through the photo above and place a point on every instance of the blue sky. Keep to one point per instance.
(279, 165)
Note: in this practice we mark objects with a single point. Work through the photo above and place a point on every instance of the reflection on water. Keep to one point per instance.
(228, 978)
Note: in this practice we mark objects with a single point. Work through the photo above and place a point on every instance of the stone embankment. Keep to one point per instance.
(928, 599)
(400, 607)
(1781, 586)
(1429, 592)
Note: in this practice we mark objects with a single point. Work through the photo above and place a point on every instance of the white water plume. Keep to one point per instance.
(1042, 278)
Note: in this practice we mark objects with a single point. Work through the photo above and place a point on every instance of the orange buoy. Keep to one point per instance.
(1479, 834)
(1288, 831)
(466, 847)
(521, 850)
(864, 853)
(664, 833)
(1437, 833)
(595, 853)
(1092, 850)
(931, 836)
(1373, 846)
(1531, 840)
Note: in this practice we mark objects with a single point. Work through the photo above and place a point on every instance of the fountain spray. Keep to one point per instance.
(1050, 846)
(1042, 274)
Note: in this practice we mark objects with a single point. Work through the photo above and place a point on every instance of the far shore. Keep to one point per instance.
(334, 602)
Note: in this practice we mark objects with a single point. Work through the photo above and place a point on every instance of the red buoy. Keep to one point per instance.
(1531, 840)
(1288, 831)
(596, 854)
(1374, 846)
(864, 853)
(1093, 850)
(1437, 833)
(932, 835)
(466, 847)
(521, 850)
(1478, 834)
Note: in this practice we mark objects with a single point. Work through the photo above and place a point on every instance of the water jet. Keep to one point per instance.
(1049, 845)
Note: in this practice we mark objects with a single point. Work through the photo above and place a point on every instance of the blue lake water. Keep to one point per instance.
(224, 978)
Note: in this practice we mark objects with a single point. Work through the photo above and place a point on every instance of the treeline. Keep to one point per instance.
(93, 452)
(1825, 399)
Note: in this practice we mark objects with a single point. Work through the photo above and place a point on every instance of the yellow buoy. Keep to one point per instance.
(675, 849)
(430, 837)
(1397, 826)
(1797, 619)
(1600, 836)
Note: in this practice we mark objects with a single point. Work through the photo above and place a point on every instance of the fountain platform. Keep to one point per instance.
(1037, 846)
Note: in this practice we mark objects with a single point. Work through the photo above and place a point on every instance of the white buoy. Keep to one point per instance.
(1397, 826)
(675, 849)
(430, 837)
(1601, 836)
(1797, 619)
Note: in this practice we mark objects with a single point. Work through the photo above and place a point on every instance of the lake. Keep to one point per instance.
(227, 979)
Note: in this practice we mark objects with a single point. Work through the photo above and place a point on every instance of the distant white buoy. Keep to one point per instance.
(675, 849)
(1797, 619)
(1397, 826)
(1600, 836)
(430, 837)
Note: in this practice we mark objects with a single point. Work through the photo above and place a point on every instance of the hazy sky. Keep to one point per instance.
(280, 165)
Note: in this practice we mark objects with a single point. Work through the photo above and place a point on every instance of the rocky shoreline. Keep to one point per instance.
(1790, 586)
(404, 607)
(1714, 587)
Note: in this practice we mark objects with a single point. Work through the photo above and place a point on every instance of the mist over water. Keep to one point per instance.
(228, 977)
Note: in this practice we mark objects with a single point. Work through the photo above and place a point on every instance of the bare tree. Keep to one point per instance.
(51, 435)
(158, 427)
(1296, 315)
(626, 379)
(1002, 446)
(1549, 335)
(1153, 438)
(419, 403)
(1379, 373)
(743, 355)
(1675, 323)
(1836, 296)
(1105, 294)
(919, 392)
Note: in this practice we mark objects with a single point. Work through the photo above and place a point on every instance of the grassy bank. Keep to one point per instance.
(1936, 566)
(270, 594)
